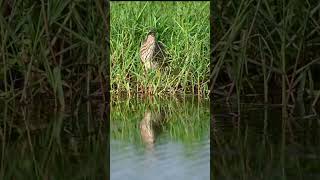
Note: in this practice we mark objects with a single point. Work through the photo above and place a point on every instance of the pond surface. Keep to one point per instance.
(265, 142)
(160, 139)
(38, 142)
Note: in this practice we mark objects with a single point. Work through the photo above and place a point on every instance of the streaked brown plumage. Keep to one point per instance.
(150, 124)
(152, 52)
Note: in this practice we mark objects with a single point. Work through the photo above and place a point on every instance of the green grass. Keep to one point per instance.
(54, 48)
(267, 47)
(184, 29)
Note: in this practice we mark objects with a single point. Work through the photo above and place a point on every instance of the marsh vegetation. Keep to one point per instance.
(183, 27)
(267, 66)
(54, 49)
(267, 48)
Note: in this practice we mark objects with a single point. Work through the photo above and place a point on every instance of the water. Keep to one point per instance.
(38, 142)
(265, 142)
(160, 139)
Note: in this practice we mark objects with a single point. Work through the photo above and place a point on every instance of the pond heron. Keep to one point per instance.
(152, 52)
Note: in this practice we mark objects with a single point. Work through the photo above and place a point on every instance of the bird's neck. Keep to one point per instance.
(151, 39)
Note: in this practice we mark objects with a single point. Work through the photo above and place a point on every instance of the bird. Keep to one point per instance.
(152, 52)
(151, 124)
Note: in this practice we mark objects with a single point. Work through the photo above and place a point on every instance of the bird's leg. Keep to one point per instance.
(147, 88)
(145, 78)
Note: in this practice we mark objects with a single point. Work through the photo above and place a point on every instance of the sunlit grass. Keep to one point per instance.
(184, 29)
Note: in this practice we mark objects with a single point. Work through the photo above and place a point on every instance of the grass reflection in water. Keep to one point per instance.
(168, 135)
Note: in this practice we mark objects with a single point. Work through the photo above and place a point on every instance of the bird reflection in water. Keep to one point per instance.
(150, 127)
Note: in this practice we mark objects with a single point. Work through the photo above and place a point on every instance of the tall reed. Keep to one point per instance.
(264, 46)
(52, 48)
